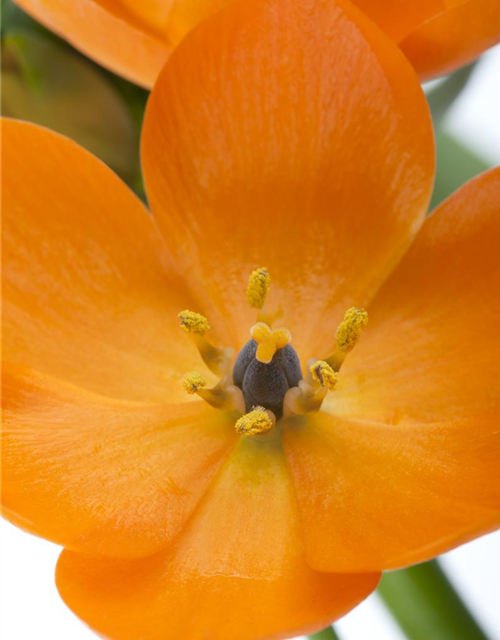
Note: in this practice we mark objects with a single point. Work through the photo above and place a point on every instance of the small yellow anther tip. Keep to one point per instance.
(259, 283)
(193, 322)
(323, 374)
(193, 381)
(351, 328)
(256, 421)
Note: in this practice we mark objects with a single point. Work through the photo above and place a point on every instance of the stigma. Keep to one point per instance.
(268, 341)
(264, 383)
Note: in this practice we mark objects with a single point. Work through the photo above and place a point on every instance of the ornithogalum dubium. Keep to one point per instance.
(235, 412)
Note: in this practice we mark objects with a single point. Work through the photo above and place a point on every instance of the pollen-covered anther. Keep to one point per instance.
(323, 374)
(217, 360)
(350, 329)
(193, 322)
(268, 340)
(259, 283)
(347, 335)
(257, 421)
(193, 381)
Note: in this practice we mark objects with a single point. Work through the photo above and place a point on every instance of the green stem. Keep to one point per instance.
(425, 605)
(326, 634)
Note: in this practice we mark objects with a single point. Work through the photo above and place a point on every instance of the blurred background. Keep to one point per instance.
(45, 81)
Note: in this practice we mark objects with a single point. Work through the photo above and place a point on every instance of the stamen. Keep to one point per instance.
(217, 360)
(259, 420)
(268, 341)
(193, 381)
(348, 335)
(193, 322)
(259, 283)
(223, 396)
(323, 374)
(350, 329)
(303, 399)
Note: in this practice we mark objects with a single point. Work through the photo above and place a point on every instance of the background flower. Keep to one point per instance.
(436, 35)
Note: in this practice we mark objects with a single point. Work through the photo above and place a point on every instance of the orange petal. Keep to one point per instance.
(437, 36)
(399, 19)
(375, 496)
(453, 37)
(237, 571)
(104, 476)
(408, 466)
(268, 140)
(86, 296)
(108, 32)
(431, 349)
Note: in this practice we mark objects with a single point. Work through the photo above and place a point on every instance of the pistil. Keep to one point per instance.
(268, 341)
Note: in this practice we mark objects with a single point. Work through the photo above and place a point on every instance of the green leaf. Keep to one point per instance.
(326, 634)
(426, 606)
(456, 164)
(47, 83)
(444, 95)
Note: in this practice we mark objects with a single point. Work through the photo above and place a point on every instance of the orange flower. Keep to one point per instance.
(271, 148)
(134, 39)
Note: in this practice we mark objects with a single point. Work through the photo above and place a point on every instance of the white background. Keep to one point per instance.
(30, 606)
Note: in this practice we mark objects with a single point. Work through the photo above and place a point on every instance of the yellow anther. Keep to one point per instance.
(193, 322)
(256, 421)
(258, 287)
(268, 341)
(193, 381)
(323, 374)
(350, 329)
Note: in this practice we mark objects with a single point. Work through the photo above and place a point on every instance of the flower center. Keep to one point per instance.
(266, 381)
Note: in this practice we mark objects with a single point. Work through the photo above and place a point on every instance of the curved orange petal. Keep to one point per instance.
(375, 496)
(398, 19)
(109, 32)
(135, 39)
(453, 37)
(241, 555)
(268, 141)
(437, 36)
(87, 298)
(407, 467)
(431, 350)
(104, 476)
